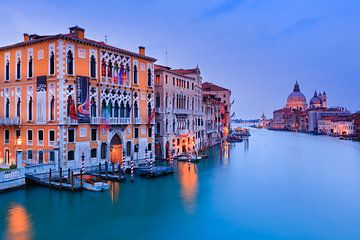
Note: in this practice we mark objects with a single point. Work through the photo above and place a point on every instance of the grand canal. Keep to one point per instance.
(280, 185)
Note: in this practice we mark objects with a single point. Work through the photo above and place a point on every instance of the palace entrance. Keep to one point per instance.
(116, 149)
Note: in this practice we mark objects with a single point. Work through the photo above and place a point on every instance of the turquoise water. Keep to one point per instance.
(281, 186)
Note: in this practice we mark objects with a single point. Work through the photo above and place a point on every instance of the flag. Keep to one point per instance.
(152, 115)
(120, 75)
(115, 74)
(232, 115)
(73, 114)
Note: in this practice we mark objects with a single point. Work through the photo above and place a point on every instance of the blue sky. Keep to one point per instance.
(258, 49)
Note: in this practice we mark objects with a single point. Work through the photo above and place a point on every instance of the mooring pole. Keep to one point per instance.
(60, 177)
(132, 169)
(50, 178)
(81, 179)
(113, 168)
(106, 169)
(119, 171)
(99, 169)
(68, 175)
(72, 181)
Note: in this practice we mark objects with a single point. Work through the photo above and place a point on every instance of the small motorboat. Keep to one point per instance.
(193, 158)
(93, 183)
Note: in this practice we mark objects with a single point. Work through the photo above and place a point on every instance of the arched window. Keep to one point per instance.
(18, 69)
(93, 107)
(30, 109)
(109, 69)
(110, 109)
(149, 77)
(103, 68)
(136, 110)
(52, 108)
(70, 63)
(128, 148)
(71, 155)
(92, 67)
(30, 67)
(158, 128)
(41, 156)
(122, 110)
(128, 109)
(29, 154)
(173, 125)
(135, 75)
(116, 109)
(103, 108)
(7, 108)
(52, 63)
(149, 110)
(68, 106)
(18, 108)
(7, 70)
(157, 100)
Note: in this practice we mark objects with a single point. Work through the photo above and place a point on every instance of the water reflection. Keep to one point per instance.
(18, 223)
(189, 185)
(114, 191)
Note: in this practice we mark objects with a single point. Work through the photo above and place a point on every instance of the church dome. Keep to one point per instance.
(296, 100)
(315, 100)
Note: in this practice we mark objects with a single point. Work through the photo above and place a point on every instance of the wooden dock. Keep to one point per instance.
(155, 171)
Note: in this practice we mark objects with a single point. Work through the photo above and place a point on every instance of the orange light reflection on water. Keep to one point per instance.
(18, 223)
(189, 185)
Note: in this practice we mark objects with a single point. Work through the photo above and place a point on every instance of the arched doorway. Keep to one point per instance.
(116, 149)
(167, 147)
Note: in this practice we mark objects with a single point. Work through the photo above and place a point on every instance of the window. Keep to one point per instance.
(128, 148)
(93, 153)
(40, 137)
(18, 69)
(136, 148)
(150, 132)
(93, 134)
(158, 128)
(30, 109)
(71, 155)
(18, 134)
(103, 68)
(149, 147)
(136, 132)
(7, 71)
(166, 79)
(92, 67)
(71, 135)
(18, 108)
(149, 110)
(136, 110)
(7, 108)
(110, 67)
(7, 136)
(149, 77)
(68, 106)
(52, 63)
(157, 79)
(103, 150)
(30, 67)
(70, 63)
(93, 107)
(157, 100)
(29, 137)
(122, 109)
(52, 156)
(41, 156)
(52, 136)
(135, 75)
(29, 154)
(52, 109)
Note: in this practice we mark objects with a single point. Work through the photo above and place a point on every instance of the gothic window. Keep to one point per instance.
(93, 107)
(149, 110)
(135, 75)
(173, 125)
(92, 67)
(167, 126)
(116, 109)
(166, 100)
(52, 63)
(128, 148)
(157, 100)
(122, 110)
(68, 106)
(52, 108)
(18, 69)
(128, 110)
(7, 70)
(109, 69)
(30, 68)
(7, 108)
(110, 109)
(103, 108)
(18, 108)
(70, 63)
(103, 68)
(136, 110)
(30, 109)
(158, 128)
(149, 77)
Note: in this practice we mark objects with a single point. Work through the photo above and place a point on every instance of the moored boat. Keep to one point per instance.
(93, 183)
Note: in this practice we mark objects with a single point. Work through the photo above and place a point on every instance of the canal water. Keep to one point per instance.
(279, 185)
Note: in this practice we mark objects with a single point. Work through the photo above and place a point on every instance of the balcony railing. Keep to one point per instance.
(182, 111)
(70, 121)
(115, 82)
(182, 131)
(10, 121)
(137, 120)
(110, 121)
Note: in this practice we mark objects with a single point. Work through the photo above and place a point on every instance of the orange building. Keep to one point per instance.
(63, 96)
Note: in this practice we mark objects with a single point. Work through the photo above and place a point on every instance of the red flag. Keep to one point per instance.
(73, 114)
(152, 115)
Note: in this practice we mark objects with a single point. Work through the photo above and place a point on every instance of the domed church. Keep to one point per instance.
(318, 101)
(296, 99)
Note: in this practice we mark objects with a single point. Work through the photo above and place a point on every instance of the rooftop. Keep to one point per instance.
(206, 86)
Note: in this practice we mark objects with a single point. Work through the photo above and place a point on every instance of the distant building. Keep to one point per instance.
(336, 126)
(211, 106)
(356, 118)
(263, 122)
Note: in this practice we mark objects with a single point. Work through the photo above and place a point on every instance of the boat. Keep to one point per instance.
(93, 183)
(193, 158)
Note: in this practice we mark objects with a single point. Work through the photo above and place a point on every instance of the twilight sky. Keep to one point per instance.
(256, 48)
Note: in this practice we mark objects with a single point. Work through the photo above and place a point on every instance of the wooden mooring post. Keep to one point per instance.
(81, 179)
(72, 181)
(99, 169)
(106, 169)
(119, 171)
(68, 176)
(50, 178)
(113, 168)
(60, 178)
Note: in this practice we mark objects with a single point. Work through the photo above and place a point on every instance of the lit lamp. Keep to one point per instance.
(18, 141)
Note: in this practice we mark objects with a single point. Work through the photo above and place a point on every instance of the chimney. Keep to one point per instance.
(142, 50)
(26, 37)
(77, 32)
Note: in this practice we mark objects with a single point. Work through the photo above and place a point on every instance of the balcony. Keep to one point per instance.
(10, 121)
(182, 111)
(70, 121)
(182, 132)
(137, 120)
(115, 82)
(110, 121)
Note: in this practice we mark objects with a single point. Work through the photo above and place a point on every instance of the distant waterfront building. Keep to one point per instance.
(179, 117)
(224, 95)
(356, 118)
(63, 96)
(336, 126)
(212, 106)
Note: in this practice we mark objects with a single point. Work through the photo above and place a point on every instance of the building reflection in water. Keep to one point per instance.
(114, 191)
(18, 223)
(189, 185)
(226, 153)
(246, 144)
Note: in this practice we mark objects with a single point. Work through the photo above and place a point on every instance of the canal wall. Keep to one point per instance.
(13, 178)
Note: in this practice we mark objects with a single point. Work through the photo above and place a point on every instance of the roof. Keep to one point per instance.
(206, 86)
(187, 71)
(160, 68)
(37, 39)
